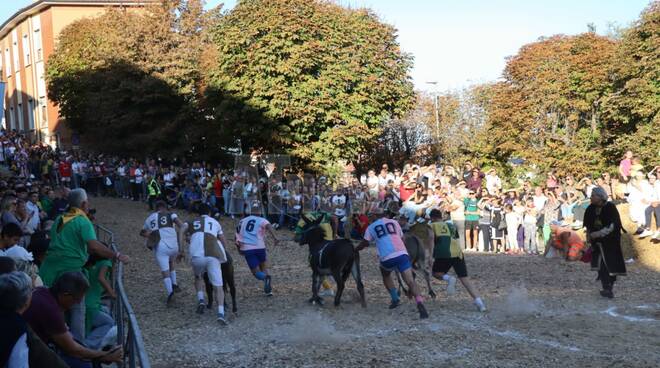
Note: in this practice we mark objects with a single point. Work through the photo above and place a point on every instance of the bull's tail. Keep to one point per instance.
(357, 276)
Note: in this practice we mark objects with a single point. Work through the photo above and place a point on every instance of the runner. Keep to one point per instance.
(393, 256)
(250, 236)
(207, 252)
(448, 254)
(163, 239)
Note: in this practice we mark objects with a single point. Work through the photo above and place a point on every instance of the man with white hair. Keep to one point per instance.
(73, 239)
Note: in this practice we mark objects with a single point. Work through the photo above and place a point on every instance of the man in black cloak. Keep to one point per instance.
(603, 225)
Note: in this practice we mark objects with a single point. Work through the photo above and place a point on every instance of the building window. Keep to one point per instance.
(14, 50)
(30, 114)
(37, 45)
(26, 50)
(8, 61)
(19, 114)
(12, 118)
(44, 110)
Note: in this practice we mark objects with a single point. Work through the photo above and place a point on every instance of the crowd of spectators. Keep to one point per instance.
(54, 274)
(490, 216)
(51, 261)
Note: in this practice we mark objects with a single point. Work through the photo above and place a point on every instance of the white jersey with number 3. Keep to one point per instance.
(251, 232)
(164, 224)
(198, 228)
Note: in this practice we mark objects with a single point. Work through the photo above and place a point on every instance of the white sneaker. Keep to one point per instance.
(326, 292)
(480, 305)
(656, 236)
(451, 285)
(645, 233)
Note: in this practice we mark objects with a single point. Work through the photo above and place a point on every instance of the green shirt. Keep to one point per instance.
(446, 241)
(313, 216)
(68, 248)
(471, 206)
(95, 291)
(46, 204)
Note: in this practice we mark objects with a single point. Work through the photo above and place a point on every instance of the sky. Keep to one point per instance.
(460, 43)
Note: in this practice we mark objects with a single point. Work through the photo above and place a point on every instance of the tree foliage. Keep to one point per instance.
(631, 110)
(127, 81)
(547, 109)
(323, 78)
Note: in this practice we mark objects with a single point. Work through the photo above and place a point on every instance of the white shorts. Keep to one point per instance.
(210, 265)
(163, 256)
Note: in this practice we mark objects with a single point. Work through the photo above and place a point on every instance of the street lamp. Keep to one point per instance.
(435, 109)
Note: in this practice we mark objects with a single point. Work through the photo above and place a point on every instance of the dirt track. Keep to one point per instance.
(543, 313)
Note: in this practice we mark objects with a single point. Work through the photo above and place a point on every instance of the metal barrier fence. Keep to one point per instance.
(128, 331)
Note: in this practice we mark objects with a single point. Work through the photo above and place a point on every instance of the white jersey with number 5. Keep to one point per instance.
(164, 224)
(251, 232)
(200, 227)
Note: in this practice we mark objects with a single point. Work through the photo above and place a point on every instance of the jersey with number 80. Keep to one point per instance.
(388, 237)
(200, 227)
(250, 233)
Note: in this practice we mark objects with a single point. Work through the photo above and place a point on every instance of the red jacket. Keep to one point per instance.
(217, 186)
(65, 169)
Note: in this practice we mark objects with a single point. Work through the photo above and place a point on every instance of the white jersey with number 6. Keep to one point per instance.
(251, 232)
(200, 227)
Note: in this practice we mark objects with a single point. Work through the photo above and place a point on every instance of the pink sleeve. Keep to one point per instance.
(367, 235)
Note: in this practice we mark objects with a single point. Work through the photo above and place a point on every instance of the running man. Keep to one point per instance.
(163, 238)
(207, 252)
(447, 253)
(393, 256)
(250, 236)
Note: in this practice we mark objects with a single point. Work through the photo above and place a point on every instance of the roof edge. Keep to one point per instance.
(36, 6)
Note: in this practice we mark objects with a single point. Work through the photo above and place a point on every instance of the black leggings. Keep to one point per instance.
(605, 279)
(485, 231)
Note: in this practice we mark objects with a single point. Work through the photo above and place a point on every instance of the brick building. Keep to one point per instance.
(27, 39)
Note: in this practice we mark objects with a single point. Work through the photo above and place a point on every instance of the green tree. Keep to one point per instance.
(129, 81)
(547, 110)
(631, 110)
(317, 80)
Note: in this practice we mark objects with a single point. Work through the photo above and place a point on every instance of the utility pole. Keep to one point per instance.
(436, 109)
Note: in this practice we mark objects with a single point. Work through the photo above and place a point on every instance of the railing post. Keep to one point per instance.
(128, 331)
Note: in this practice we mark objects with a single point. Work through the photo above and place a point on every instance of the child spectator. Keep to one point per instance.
(513, 221)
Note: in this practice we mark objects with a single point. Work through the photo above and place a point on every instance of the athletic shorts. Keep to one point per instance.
(211, 266)
(163, 255)
(442, 265)
(255, 257)
(471, 225)
(400, 263)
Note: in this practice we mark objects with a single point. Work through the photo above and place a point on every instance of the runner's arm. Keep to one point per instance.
(363, 244)
(222, 239)
(271, 231)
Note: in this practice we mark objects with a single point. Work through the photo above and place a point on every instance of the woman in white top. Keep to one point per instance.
(493, 183)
